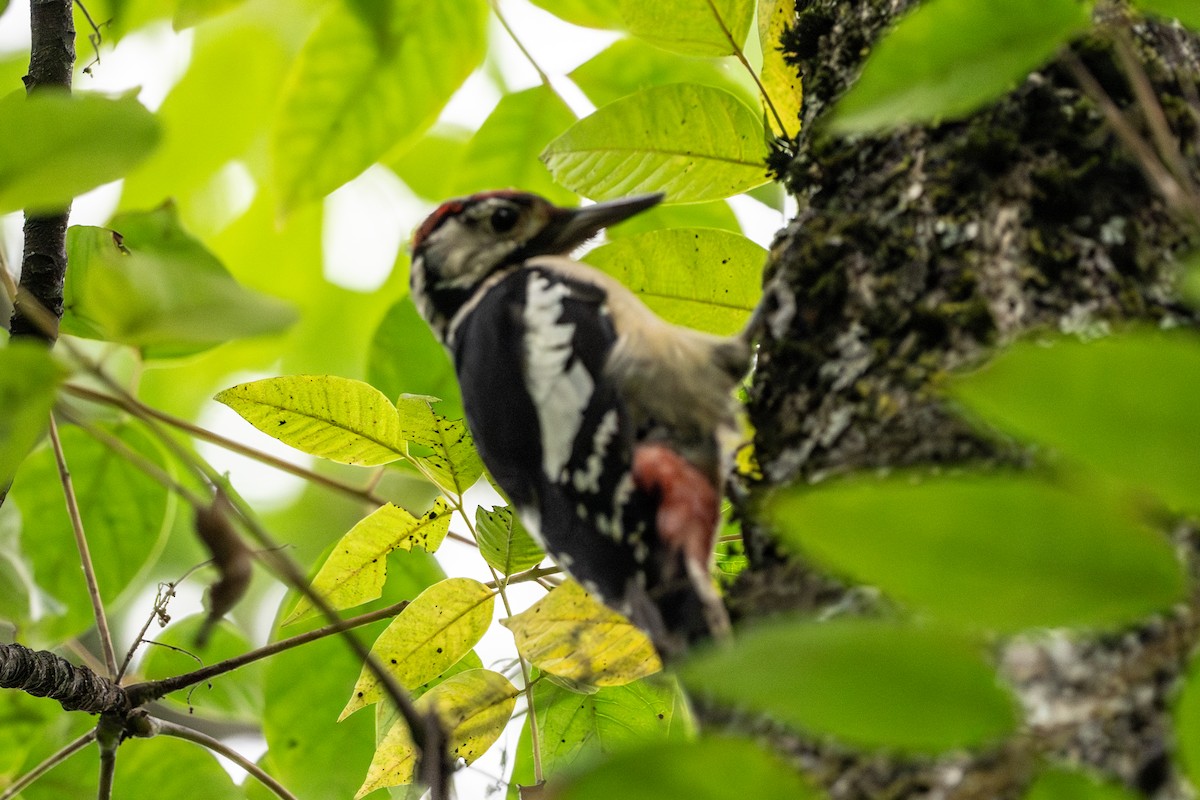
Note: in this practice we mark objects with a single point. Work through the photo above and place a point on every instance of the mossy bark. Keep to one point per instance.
(918, 252)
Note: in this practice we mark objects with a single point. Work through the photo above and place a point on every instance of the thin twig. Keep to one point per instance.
(166, 728)
(134, 406)
(1152, 110)
(142, 693)
(136, 459)
(542, 76)
(1156, 174)
(741, 56)
(85, 556)
(65, 752)
(126, 402)
(95, 37)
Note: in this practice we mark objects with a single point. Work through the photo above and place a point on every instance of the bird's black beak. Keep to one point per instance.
(571, 227)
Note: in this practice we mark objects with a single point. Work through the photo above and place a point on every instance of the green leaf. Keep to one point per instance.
(713, 214)
(473, 706)
(630, 65)
(193, 12)
(504, 151)
(437, 629)
(358, 90)
(57, 146)
(1063, 784)
(29, 381)
(702, 278)
(999, 553)
(454, 464)
(1186, 11)
(577, 729)
(1186, 718)
(355, 570)
(710, 769)
(691, 142)
(780, 79)
(430, 166)
(587, 13)
(691, 27)
(570, 635)
(126, 518)
(237, 695)
(504, 542)
(948, 57)
(867, 683)
(1122, 405)
(194, 150)
(406, 359)
(149, 284)
(344, 420)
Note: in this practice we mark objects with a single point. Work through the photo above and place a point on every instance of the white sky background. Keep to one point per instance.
(360, 242)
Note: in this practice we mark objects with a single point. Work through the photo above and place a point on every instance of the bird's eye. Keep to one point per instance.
(503, 219)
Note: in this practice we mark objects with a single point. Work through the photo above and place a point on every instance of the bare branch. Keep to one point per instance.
(85, 556)
(166, 728)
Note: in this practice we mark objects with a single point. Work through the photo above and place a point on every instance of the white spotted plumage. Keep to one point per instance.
(559, 385)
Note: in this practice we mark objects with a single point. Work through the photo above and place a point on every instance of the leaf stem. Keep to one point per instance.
(501, 585)
(741, 56)
(542, 76)
(85, 556)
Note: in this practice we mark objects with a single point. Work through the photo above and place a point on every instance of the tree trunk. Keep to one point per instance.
(917, 252)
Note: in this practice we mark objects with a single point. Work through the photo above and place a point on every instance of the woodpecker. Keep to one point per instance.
(609, 429)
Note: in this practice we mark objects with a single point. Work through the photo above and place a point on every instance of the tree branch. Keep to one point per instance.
(44, 260)
(44, 674)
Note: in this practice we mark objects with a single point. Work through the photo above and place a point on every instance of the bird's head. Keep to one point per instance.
(468, 239)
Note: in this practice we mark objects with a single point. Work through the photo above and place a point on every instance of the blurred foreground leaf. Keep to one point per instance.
(1000, 553)
(867, 683)
(1124, 405)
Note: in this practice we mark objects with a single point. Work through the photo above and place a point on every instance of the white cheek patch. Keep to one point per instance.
(559, 393)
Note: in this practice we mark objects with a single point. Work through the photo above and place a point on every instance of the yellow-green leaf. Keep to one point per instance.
(699, 277)
(569, 634)
(354, 572)
(29, 379)
(576, 730)
(473, 707)
(504, 542)
(436, 629)
(57, 145)
(691, 27)
(588, 13)
(454, 464)
(780, 79)
(344, 420)
(691, 142)
(365, 82)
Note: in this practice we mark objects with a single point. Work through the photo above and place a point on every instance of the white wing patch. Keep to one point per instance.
(588, 480)
(559, 394)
